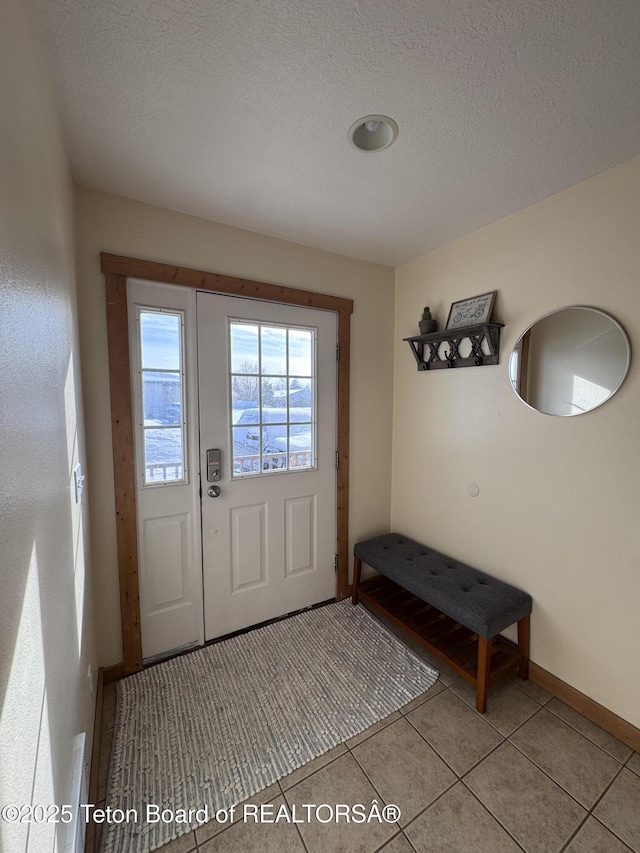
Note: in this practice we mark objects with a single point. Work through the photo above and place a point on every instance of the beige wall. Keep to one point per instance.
(46, 625)
(113, 224)
(557, 511)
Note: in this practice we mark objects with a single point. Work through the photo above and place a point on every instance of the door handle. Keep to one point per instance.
(213, 491)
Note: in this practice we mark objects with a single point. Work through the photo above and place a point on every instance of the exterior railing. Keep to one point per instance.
(250, 464)
(167, 472)
(164, 472)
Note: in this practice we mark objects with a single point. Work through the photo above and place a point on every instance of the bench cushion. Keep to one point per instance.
(482, 603)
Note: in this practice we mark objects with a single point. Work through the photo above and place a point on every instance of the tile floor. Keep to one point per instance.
(531, 774)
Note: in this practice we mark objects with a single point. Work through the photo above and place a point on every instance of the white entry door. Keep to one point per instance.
(267, 401)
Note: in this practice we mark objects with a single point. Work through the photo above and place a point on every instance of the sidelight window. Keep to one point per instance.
(163, 400)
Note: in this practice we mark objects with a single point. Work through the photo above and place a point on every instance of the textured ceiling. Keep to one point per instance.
(238, 110)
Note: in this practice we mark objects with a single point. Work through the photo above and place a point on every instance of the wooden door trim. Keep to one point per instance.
(117, 269)
(217, 283)
(123, 469)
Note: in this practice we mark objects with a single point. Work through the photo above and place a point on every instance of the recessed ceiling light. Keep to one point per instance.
(373, 133)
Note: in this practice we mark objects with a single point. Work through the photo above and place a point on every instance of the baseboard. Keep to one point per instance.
(114, 673)
(91, 838)
(590, 709)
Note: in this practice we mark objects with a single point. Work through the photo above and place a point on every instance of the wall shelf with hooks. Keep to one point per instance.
(484, 340)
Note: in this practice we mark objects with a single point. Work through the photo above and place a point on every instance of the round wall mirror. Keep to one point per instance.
(570, 361)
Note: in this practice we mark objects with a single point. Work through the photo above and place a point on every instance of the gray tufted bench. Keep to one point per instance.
(455, 610)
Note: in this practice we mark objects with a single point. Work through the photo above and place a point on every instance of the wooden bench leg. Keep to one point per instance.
(357, 568)
(484, 668)
(524, 629)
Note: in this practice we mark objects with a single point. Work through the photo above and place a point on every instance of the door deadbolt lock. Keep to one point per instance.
(213, 491)
(214, 466)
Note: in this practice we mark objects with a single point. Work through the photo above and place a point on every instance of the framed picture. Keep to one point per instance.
(470, 312)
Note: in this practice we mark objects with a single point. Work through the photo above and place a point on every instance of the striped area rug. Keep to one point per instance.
(214, 727)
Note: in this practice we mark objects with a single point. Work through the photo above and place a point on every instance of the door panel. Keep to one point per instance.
(300, 535)
(162, 339)
(267, 396)
(248, 547)
(166, 549)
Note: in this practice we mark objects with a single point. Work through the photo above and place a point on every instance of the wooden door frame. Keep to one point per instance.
(117, 269)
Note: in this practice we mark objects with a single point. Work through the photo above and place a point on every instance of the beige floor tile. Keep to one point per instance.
(257, 837)
(438, 687)
(594, 838)
(213, 827)
(340, 783)
(184, 844)
(459, 735)
(604, 740)
(311, 766)
(507, 707)
(634, 763)
(535, 811)
(532, 689)
(404, 769)
(376, 727)
(458, 823)
(619, 809)
(398, 845)
(575, 763)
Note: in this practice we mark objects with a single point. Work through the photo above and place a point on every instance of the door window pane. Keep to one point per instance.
(300, 400)
(161, 398)
(273, 409)
(274, 350)
(246, 449)
(300, 352)
(274, 438)
(160, 340)
(274, 399)
(163, 455)
(300, 444)
(244, 348)
(245, 393)
(162, 388)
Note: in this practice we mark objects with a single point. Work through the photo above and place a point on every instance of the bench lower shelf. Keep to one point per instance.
(481, 662)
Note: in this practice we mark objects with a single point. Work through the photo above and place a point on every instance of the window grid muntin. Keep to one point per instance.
(261, 425)
(181, 426)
